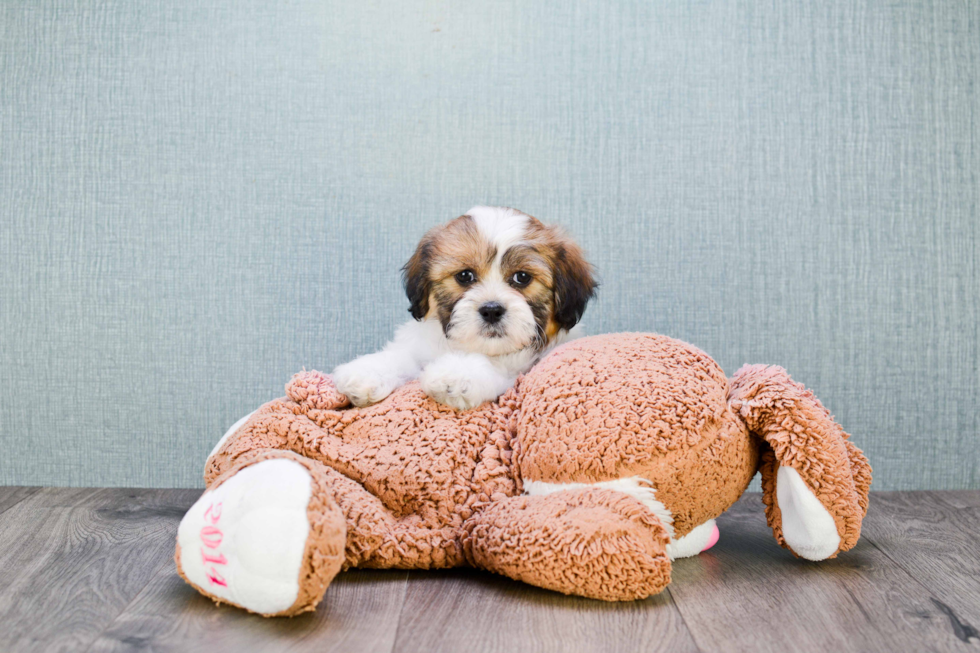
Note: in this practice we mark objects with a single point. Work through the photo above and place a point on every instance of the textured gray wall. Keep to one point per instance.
(197, 201)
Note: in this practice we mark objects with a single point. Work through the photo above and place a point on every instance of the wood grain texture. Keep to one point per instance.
(11, 496)
(471, 610)
(72, 559)
(747, 593)
(957, 498)
(90, 569)
(938, 545)
(359, 613)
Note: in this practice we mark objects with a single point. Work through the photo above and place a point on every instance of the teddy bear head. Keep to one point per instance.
(635, 408)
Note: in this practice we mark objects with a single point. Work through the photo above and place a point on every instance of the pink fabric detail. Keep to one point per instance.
(219, 559)
(713, 540)
(216, 578)
(213, 513)
(211, 537)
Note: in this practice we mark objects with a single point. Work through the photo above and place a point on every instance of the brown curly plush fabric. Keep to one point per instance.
(596, 543)
(636, 404)
(422, 486)
(801, 433)
(408, 470)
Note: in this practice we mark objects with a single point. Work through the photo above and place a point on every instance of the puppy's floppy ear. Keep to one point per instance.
(574, 283)
(415, 276)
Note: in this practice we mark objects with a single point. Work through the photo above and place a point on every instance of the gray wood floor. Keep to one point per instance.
(92, 569)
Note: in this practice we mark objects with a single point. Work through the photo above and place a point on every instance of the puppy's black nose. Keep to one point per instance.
(492, 312)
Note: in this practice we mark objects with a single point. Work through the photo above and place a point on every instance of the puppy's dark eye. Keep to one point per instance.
(520, 279)
(465, 278)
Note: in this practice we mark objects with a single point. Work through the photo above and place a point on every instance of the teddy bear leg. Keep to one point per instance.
(378, 539)
(815, 482)
(597, 543)
(242, 438)
(267, 536)
(232, 430)
(313, 393)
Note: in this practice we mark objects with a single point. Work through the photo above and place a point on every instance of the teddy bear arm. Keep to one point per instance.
(862, 474)
(596, 543)
(815, 481)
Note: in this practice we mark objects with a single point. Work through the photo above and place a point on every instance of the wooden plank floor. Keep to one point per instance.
(92, 570)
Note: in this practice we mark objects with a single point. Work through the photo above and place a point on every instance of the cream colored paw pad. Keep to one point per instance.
(243, 542)
(808, 527)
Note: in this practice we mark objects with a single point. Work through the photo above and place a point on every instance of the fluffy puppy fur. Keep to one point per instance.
(491, 292)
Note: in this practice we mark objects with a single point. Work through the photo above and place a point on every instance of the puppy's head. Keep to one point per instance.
(499, 281)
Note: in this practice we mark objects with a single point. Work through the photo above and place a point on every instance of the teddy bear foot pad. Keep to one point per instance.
(243, 542)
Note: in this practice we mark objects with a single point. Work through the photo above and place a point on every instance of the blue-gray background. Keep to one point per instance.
(199, 199)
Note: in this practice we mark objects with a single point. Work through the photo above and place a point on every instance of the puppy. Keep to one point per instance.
(491, 292)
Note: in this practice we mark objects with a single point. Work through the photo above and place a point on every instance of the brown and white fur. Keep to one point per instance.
(491, 292)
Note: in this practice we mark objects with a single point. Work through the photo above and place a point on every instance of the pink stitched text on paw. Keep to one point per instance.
(211, 537)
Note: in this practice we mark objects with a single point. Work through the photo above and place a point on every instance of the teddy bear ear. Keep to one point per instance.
(415, 276)
(315, 390)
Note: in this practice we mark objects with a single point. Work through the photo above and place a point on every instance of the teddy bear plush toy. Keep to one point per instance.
(607, 460)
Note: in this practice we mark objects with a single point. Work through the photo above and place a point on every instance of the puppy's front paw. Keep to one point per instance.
(363, 383)
(449, 384)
